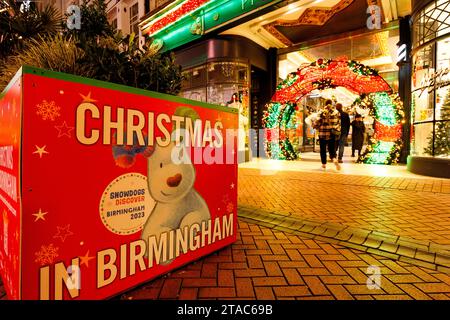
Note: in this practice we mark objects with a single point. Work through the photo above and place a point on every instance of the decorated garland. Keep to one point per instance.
(361, 69)
(325, 73)
(375, 95)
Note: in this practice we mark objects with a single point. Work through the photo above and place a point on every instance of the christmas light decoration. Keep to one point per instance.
(387, 109)
(179, 11)
(375, 95)
(277, 119)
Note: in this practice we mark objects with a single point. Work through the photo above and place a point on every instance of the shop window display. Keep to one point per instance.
(224, 83)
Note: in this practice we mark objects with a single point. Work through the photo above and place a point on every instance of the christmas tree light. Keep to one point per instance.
(441, 132)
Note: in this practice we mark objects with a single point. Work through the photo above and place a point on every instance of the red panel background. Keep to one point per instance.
(10, 115)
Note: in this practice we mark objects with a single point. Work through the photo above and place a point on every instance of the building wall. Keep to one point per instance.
(118, 12)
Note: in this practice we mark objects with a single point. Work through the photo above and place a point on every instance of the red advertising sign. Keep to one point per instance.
(117, 185)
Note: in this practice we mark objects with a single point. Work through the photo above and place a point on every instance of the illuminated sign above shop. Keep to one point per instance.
(188, 20)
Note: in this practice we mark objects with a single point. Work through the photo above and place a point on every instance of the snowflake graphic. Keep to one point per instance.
(47, 254)
(48, 110)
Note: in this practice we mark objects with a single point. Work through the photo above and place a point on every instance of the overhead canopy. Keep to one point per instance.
(322, 74)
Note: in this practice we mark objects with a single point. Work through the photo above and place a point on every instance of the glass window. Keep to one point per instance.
(442, 139)
(198, 94)
(114, 24)
(423, 85)
(160, 3)
(432, 22)
(423, 106)
(198, 77)
(223, 83)
(422, 143)
(221, 72)
(221, 94)
(443, 80)
(186, 82)
(431, 82)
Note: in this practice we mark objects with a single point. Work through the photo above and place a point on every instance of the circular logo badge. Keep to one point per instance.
(126, 204)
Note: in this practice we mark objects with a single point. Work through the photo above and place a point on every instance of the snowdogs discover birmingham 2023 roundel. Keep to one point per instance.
(374, 92)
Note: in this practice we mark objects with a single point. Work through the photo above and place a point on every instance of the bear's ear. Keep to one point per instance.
(148, 151)
(185, 112)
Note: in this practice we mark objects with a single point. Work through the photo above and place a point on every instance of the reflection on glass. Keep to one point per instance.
(431, 81)
(224, 83)
(442, 139)
(423, 106)
(422, 140)
(198, 94)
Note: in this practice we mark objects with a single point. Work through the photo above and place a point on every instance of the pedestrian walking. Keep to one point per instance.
(370, 133)
(345, 128)
(358, 130)
(329, 126)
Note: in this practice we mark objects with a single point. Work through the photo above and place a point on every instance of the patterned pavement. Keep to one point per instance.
(414, 208)
(267, 264)
(272, 263)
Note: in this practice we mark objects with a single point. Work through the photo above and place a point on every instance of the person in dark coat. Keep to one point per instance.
(358, 129)
(345, 128)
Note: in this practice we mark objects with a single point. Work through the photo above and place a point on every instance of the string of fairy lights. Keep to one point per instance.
(386, 108)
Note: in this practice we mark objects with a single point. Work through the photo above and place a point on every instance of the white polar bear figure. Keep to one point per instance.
(171, 177)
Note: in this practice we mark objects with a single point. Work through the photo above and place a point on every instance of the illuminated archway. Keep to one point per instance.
(375, 94)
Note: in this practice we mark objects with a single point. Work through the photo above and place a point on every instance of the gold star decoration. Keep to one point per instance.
(40, 215)
(85, 259)
(232, 186)
(40, 151)
(63, 232)
(64, 130)
(87, 98)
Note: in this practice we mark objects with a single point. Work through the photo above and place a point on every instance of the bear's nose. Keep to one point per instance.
(174, 181)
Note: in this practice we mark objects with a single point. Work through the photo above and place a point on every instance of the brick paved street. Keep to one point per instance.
(414, 208)
(266, 264)
(270, 264)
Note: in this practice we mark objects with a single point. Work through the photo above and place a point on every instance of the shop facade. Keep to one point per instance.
(430, 86)
(229, 71)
